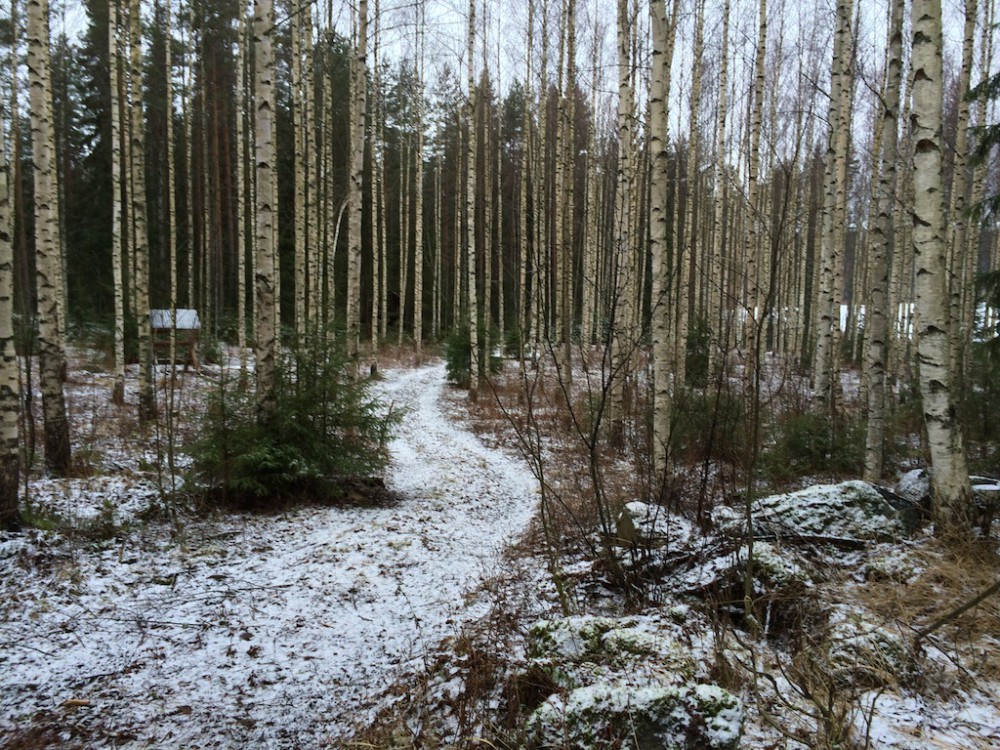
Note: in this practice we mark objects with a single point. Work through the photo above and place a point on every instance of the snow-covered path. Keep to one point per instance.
(264, 632)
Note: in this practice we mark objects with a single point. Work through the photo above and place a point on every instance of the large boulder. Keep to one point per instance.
(609, 683)
(852, 510)
(619, 716)
(653, 526)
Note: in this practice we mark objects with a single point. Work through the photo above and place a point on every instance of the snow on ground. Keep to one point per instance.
(261, 631)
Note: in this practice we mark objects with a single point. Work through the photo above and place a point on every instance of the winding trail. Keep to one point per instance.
(265, 632)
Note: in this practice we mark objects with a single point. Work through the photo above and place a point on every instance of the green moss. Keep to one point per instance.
(619, 716)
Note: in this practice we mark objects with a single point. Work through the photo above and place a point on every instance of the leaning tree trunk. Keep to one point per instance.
(10, 394)
(51, 347)
(265, 209)
(949, 472)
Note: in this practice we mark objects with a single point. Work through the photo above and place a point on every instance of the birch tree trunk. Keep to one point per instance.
(687, 257)
(10, 394)
(950, 492)
(241, 191)
(962, 263)
(715, 296)
(659, 178)
(51, 346)
(355, 196)
(623, 288)
(117, 223)
(876, 320)
(265, 209)
(828, 312)
(147, 405)
(418, 196)
(470, 208)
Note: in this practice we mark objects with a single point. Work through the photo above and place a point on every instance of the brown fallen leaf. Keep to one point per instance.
(76, 703)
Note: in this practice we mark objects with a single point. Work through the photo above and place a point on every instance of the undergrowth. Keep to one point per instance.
(326, 429)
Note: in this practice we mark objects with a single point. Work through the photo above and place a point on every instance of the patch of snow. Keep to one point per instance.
(261, 631)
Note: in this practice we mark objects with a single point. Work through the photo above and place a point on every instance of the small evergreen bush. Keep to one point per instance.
(326, 430)
(810, 443)
(458, 356)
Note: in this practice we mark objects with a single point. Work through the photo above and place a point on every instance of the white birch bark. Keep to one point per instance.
(470, 207)
(265, 210)
(117, 222)
(51, 347)
(876, 318)
(10, 393)
(418, 196)
(356, 208)
(147, 405)
(950, 491)
(663, 29)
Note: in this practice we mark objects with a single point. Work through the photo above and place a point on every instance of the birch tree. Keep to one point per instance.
(471, 151)
(877, 324)
(118, 390)
(140, 237)
(658, 235)
(835, 165)
(356, 207)
(10, 394)
(418, 196)
(51, 346)
(265, 209)
(950, 492)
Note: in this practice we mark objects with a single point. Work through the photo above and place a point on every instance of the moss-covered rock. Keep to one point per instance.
(865, 652)
(617, 716)
(849, 510)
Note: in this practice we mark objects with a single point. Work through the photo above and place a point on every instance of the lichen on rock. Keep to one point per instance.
(621, 716)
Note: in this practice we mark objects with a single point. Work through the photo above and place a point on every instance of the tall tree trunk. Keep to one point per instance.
(664, 29)
(962, 263)
(242, 152)
(171, 197)
(623, 290)
(117, 223)
(715, 295)
(950, 492)
(355, 194)
(828, 312)
(51, 346)
(876, 319)
(687, 257)
(147, 405)
(10, 394)
(471, 152)
(265, 209)
(418, 195)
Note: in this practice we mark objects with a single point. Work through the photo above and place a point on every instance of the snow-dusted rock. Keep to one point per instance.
(849, 510)
(915, 486)
(622, 683)
(653, 526)
(618, 715)
(864, 651)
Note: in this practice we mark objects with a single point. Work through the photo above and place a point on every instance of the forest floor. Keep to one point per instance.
(246, 631)
(400, 620)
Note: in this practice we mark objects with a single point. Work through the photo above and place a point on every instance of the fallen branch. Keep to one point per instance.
(956, 612)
